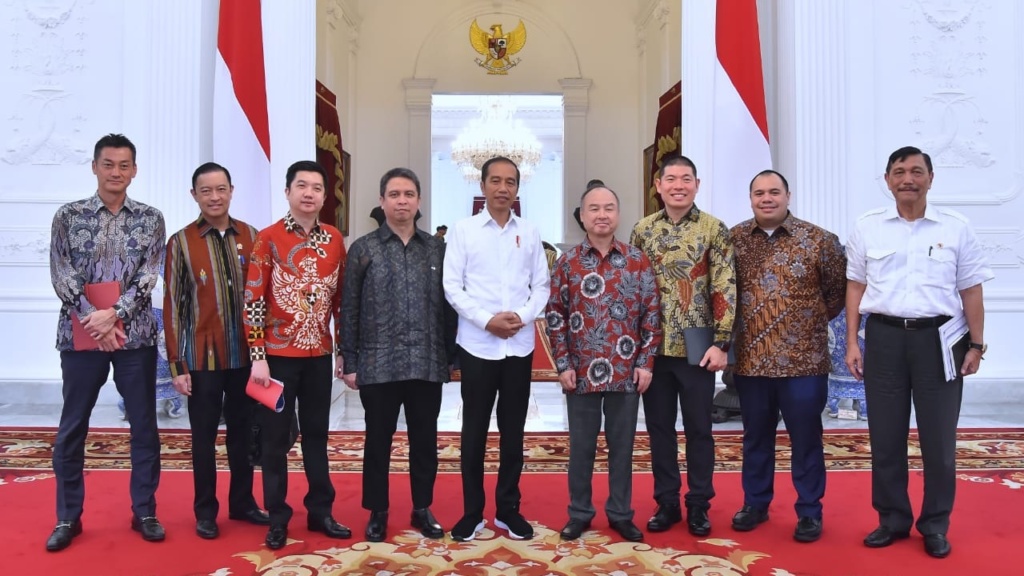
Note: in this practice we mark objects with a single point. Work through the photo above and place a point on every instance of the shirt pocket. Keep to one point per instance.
(880, 263)
(941, 268)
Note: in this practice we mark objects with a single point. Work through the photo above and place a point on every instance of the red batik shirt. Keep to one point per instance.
(604, 316)
(293, 290)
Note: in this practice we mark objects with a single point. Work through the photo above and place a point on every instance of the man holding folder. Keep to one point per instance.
(106, 255)
(913, 267)
(692, 256)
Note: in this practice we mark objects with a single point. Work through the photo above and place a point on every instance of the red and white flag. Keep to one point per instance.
(740, 122)
(241, 125)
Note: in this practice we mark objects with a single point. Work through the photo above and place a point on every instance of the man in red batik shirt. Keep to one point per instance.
(292, 292)
(604, 321)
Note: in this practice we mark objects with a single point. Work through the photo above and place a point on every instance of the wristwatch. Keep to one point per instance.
(723, 345)
(119, 311)
(980, 347)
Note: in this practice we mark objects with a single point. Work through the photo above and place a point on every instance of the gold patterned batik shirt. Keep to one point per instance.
(696, 273)
(790, 285)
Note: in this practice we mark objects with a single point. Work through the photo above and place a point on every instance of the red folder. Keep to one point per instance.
(270, 396)
(101, 295)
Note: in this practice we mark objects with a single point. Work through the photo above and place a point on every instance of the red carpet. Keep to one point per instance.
(987, 524)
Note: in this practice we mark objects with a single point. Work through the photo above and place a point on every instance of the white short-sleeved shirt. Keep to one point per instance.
(915, 269)
(490, 269)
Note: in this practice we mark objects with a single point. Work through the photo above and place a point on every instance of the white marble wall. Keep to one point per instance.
(78, 69)
(854, 80)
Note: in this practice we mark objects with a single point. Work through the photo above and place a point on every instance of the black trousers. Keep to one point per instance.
(692, 388)
(381, 403)
(508, 380)
(900, 367)
(84, 373)
(308, 382)
(213, 390)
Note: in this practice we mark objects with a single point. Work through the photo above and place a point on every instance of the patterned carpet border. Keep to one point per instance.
(31, 448)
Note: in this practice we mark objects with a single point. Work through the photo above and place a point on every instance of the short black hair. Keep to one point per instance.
(208, 168)
(303, 166)
(590, 189)
(441, 227)
(676, 160)
(487, 166)
(399, 173)
(112, 141)
(904, 153)
(595, 183)
(785, 183)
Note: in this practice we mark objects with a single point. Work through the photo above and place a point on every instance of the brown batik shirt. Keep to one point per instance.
(790, 285)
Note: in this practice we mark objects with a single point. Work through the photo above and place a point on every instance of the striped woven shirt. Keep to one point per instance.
(205, 277)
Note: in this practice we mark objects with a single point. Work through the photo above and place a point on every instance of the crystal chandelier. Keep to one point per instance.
(495, 133)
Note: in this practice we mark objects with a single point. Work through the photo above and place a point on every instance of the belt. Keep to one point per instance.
(911, 323)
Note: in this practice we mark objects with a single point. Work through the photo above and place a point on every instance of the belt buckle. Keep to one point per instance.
(907, 324)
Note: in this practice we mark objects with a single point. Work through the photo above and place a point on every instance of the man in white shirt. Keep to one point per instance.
(913, 267)
(496, 278)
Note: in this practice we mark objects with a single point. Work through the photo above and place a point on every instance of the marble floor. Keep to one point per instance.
(985, 405)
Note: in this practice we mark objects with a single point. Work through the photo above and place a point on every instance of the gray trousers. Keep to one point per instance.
(903, 367)
(620, 413)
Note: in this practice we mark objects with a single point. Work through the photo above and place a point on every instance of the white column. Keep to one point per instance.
(575, 103)
(161, 103)
(698, 80)
(419, 94)
(813, 126)
(289, 53)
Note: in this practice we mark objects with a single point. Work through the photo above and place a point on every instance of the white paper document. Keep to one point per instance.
(949, 334)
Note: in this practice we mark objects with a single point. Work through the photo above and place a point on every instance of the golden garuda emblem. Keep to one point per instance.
(497, 48)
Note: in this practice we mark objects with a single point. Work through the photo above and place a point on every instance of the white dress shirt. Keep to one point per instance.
(915, 269)
(490, 269)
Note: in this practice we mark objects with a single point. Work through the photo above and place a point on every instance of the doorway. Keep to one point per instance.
(453, 186)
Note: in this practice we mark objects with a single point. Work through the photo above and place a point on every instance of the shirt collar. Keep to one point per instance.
(95, 203)
(789, 222)
(930, 213)
(290, 225)
(385, 233)
(693, 215)
(485, 217)
(205, 227)
(617, 245)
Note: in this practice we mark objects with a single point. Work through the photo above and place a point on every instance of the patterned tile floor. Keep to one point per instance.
(986, 404)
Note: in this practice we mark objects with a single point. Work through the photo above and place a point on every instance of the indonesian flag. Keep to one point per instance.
(740, 121)
(241, 125)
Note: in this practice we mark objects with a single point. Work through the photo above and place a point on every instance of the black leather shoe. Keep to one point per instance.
(807, 529)
(424, 521)
(377, 526)
(329, 526)
(277, 536)
(150, 528)
(627, 530)
(254, 516)
(207, 529)
(936, 545)
(697, 521)
(664, 517)
(748, 518)
(62, 535)
(574, 528)
(884, 536)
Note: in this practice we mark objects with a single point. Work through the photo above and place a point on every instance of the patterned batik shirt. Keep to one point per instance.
(603, 316)
(88, 245)
(693, 261)
(205, 281)
(395, 322)
(293, 290)
(790, 285)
